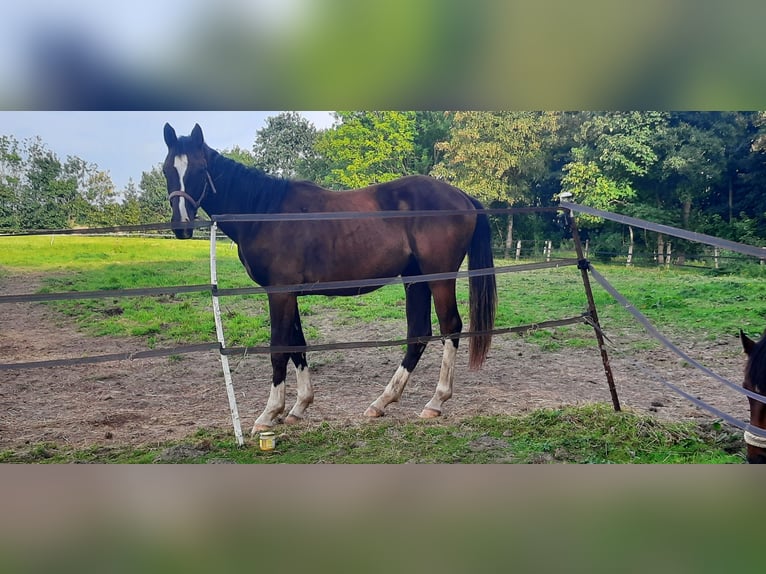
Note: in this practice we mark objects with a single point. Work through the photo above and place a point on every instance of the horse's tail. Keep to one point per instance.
(482, 290)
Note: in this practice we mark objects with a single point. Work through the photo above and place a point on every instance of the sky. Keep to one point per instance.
(125, 144)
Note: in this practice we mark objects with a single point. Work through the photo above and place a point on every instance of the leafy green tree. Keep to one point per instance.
(612, 151)
(241, 155)
(367, 147)
(153, 196)
(131, 205)
(102, 199)
(431, 127)
(48, 194)
(697, 151)
(499, 157)
(11, 173)
(285, 146)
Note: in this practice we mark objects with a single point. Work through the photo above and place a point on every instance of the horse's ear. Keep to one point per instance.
(747, 342)
(197, 136)
(170, 136)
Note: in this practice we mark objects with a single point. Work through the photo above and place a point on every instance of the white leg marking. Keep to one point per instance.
(305, 393)
(274, 407)
(392, 392)
(446, 378)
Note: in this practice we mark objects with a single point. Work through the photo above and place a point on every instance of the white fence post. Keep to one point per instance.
(219, 333)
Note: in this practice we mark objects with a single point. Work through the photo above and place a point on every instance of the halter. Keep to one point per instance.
(755, 440)
(195, 202)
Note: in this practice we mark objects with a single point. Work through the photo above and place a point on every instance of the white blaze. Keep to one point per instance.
(181, 163)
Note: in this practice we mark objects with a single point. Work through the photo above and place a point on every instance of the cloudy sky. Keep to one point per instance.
(128, 143)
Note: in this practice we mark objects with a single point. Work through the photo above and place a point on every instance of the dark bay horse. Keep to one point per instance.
(755, 381)
(292, 253)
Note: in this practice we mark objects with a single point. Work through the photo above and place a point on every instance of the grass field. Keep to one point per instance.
(696, 303)
(588, 435)
(685, 300)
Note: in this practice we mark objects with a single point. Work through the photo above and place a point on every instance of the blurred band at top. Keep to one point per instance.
(403, 54)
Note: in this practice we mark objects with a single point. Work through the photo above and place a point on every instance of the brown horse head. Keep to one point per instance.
(185, 168)
(755, 381)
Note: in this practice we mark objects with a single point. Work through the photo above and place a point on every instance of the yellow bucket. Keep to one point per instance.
(266, 440)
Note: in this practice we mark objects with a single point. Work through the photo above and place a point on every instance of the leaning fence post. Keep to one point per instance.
(583, 265)
(518, 249)
(219, 333)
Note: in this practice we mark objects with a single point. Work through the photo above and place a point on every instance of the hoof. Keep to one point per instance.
(293, 420)
(258, 428)
(428, 413)
(373, 412)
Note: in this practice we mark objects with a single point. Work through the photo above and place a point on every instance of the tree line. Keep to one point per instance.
(702, 171)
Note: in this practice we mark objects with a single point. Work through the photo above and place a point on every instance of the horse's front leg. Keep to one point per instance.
(282, 310)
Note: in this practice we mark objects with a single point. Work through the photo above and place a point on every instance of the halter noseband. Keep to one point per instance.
(755, 440)
(195, 202)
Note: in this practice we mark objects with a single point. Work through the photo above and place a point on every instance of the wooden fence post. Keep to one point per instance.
(584, 265)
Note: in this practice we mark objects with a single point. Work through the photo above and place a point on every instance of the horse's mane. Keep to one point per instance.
(250, 190)
(756, 367)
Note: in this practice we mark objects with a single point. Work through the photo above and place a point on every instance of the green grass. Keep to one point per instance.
(593, 434)
(687, 302)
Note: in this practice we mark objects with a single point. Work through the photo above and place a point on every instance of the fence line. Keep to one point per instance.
(222, 342)
(263, 217)
(667, 230)
(316, 287)
(303, 288)
(267, 349)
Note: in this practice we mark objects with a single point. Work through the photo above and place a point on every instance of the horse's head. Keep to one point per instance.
(188, 181)
(755, 381)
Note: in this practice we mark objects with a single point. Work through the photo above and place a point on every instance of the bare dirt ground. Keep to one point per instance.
(150, 401)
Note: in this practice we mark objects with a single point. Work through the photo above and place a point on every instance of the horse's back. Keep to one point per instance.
(420, 192)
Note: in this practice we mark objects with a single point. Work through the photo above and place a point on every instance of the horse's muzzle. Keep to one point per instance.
(182, 230)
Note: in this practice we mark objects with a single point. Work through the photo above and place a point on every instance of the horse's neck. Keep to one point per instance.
(227, 198)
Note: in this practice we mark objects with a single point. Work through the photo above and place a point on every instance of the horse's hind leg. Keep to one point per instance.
(418, 325)
(305, 390)
(449, 324)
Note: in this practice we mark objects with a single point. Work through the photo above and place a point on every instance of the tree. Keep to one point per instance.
(11, 173)
(153, 196)
(498, 156)
(697, 152)
(48, 193)
(367, 147)
(131, 205)
(241, 155)
(285, 146)
(431, 127)
(613, 150)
